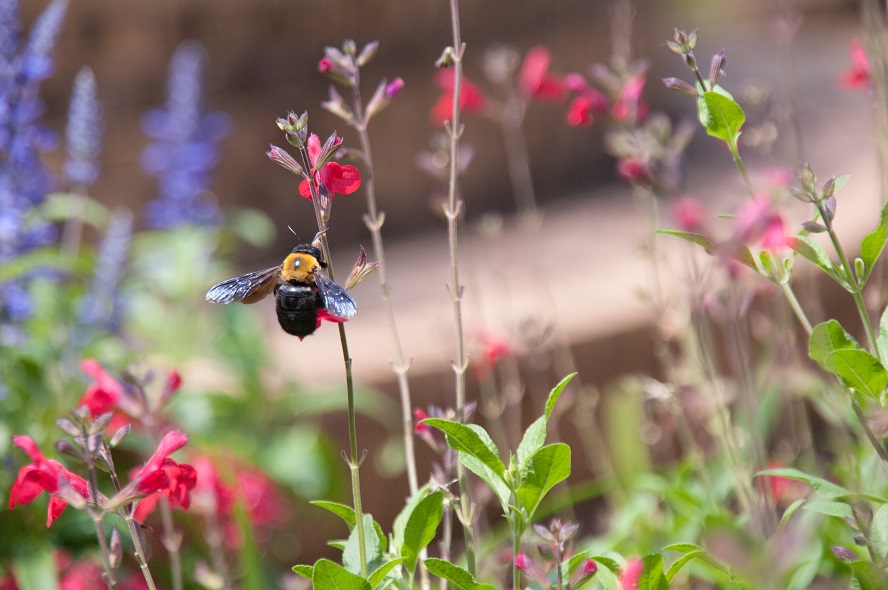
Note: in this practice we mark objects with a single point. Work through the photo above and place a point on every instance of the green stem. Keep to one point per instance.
(133, 527)
(374, 220)
(171, 542)
(738, 161)
(516, 549)
(460, 364)
(354, 462)
(796, 307)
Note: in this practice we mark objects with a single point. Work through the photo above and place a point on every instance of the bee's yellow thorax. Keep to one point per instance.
(300, 267)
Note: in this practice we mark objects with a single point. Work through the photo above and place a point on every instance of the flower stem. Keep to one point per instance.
(452, 210)
(171, 542)
(516, 549)
(133, 527)
(374, 220)
(354, 462)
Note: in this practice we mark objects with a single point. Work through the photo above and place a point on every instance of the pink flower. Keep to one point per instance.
(493, 348)
(688, 214)
(338, 179)
(858, 73)
(42, 475)
(162, 475)
(419, 414)
(103, 395)
(521, 561)
(471, 99)
(628, 104)
(535, 81)
(325, 65)
(82, 575)
(633, 170)
(394, 88)
(589, 567)
(758, 222)
(630, 574)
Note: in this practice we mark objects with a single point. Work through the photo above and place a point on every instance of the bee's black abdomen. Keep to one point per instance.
(297, 308)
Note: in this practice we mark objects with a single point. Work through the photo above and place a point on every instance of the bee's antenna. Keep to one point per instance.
(293, 232)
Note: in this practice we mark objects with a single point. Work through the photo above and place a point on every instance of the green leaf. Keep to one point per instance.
(497, 483)
(403, 516)
(346, 513)
(699, 239)
(825, 488)
(382, 571)
(840, 182)
(859, 370)
(614, 562)
(534, 438)
(882, 339)
(725, 117)
(866, 576)
(556, 393)
(460, 578)
(702, 109)
(421, 528)
(790, 510)
(829, 508)
(306, 571)
(872, 245)
(36, 569)
(328, 575)
(827, 338)
(544, 469)
(652, 576)
(681, 562)
(466, 439)
(879, 533)
(64, 206)
(814, 252)
(351, 557)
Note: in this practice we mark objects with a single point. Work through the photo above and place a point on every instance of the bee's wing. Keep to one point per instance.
(248, 288)
(337, 301)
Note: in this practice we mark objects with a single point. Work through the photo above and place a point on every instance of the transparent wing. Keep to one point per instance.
(248, 288)
(337, 301)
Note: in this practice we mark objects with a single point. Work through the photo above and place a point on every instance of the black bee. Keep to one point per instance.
(304, 296)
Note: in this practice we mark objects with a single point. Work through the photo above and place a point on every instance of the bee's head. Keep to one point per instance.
(312, 251)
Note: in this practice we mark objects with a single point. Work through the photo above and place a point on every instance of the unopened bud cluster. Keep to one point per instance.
(824, 200)
(295, 127)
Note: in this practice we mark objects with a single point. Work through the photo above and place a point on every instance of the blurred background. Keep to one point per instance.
(575, 284)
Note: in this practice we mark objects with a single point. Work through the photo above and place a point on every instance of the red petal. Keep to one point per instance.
(27, 444)
(55, 509)
(534, 69)
(146, 506)
(313, 147)
(342, 179)
(305, 190)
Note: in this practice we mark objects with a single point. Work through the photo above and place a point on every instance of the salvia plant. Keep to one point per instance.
(149, 442)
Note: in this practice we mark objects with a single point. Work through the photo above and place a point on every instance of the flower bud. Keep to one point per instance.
(283, 158)
(116, 554)
(679, 85)
(717, 67)
(807, 178)
(829, 208)
(360, 270)
(813, 227)
(394, 88)
(367, 53)
(445, 60)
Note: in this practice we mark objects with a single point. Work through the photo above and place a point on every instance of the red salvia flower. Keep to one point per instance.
(338, 179)
(103, 395)
(535, 81)
(42, 475)
(631, 574)
(471, 100)
(858, 73)
(162, 475)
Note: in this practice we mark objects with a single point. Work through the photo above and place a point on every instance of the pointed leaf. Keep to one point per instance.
(882, 339)
(813, 251)
(872, 245)
(534, 438)
(351, 557)
(879, 533)
(403, 516)
(544, 469)
(828, 337)
(859, 370)
(460, 578)
(377, 576)
(556, 393)
(829, 508)
(681, 562)
(346, 513)
(466, 439)
(328, 575)
(652, 576)
(725, 117)
(306, 571)
(421, 528)
(824, 487)
(496, 483)
(696, 238)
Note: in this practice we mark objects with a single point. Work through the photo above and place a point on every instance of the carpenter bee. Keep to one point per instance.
(303, 294)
